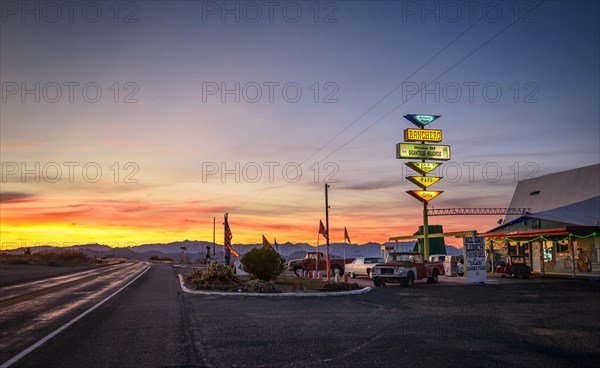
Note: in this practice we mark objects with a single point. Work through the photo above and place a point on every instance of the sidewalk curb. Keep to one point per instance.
(223, 293)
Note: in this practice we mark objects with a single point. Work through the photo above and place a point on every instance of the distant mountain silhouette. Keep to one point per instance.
(196, 250)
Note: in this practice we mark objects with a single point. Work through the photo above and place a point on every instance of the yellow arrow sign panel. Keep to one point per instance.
(423, 167)
(422, 135)
(424, 181)
(424, 195)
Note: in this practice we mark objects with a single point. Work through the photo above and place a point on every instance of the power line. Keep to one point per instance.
(385, 97)
(401, 83)
(438, 77)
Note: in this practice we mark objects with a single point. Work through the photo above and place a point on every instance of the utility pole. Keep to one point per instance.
(214, 225)
(327, 227)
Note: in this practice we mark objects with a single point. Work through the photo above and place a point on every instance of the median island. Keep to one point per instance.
(265, 276)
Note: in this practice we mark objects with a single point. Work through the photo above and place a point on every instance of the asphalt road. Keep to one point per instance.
(30, 311)
(11, 274)
(533, 323)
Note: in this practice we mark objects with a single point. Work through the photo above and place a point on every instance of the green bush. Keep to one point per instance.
(216, 277)
(259, 286)
(263, 263)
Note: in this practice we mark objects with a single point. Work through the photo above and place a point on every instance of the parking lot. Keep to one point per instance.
(536, 322)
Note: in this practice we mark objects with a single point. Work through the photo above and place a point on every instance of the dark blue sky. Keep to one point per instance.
(524, 101)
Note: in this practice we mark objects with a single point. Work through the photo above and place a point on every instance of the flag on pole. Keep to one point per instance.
(322, 230)
(266, 243)
(346, 237)
(228, 237)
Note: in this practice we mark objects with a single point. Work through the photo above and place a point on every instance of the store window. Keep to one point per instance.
(512, 248)
(562, 246)
(524, 248)
(549, 253)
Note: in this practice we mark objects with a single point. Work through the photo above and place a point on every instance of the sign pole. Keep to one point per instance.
(425, 232)
(424, 152)
(425, 251)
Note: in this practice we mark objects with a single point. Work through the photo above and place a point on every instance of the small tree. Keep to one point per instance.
(263, 263)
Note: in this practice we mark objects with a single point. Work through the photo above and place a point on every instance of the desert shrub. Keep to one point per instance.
(161, 259)
(341, 286)
(259, 286)
(50, 258)
(263, 263)
(216, 277)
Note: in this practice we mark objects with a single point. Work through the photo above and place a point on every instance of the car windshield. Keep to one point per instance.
(518, 260)
(373, 260)
(401, 257)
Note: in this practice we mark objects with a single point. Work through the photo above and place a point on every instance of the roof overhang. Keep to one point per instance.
(555, 231)
(458, 234)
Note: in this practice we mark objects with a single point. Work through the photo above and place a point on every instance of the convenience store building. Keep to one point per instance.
(561, 235)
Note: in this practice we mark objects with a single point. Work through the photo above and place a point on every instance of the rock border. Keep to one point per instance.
(225, 293)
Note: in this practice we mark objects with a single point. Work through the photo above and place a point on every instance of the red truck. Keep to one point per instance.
(312, 259)
(406, 267)
(514, 266)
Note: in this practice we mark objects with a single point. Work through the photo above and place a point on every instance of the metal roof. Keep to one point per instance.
(567, 196)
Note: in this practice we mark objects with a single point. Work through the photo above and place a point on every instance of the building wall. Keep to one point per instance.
(558, 254)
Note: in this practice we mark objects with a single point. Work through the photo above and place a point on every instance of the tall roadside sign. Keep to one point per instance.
(416, 146)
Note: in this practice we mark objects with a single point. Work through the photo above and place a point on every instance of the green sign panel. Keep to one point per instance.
(423, 167)
(438, 152)
(421, 120)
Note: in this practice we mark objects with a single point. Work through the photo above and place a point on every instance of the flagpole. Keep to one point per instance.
(327, 263)
(345, 231)
(214, 228)
(344, 253)
(317, 259)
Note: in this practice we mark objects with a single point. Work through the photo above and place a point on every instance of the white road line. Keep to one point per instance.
(46, 338)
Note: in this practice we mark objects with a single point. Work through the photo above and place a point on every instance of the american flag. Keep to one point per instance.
(228, 237)
(322, 230)
(266, 243)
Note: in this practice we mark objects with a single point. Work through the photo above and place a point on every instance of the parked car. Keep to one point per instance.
(405, 268)
(362, 266)
(514, 266)
(314, 261)
(437, 257)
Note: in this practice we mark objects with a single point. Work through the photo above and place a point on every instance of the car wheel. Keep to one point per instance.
(525, 276)
(409, 280)
(377, 282)
(434, 278)
(299, 271)
(336, 270)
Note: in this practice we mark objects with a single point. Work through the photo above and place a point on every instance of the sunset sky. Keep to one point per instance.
(191, 88)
